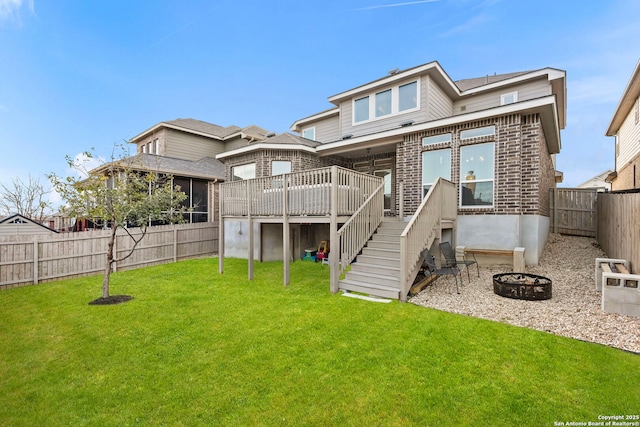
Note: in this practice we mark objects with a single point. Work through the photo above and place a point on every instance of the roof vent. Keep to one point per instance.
(394, 71)
(347, 136)
(270, 134)
(407, 123)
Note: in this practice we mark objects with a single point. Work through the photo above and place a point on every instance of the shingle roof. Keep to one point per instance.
(204, 127)
(466, 84)
(288, 138)
(206, 168)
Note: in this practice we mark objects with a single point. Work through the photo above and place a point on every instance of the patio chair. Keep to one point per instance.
(429, 267)
(452, 261)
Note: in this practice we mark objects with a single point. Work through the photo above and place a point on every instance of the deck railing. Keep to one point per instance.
(424, 228)
(308, 193)
(353, 235)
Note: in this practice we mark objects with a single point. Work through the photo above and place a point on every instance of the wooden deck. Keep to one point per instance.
(351, 202)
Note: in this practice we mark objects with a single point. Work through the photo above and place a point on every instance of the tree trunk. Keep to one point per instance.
(108, 266)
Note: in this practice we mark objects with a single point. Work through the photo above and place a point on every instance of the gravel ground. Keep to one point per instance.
(573, 311)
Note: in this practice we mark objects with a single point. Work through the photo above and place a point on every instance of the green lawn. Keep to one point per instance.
(197, 348)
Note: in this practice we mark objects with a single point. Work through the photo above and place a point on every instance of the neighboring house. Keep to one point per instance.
(599, 181)
(186, 149)
(495, 137)
(17, 224)
(625, 127)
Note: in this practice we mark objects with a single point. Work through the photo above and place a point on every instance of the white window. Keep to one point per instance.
(477, 132)
(436, 139)
(508, 98)
(476, 175)
(383, 103)
(156, 146)
(361, 109)
(241, 172)
(435, 164)
(309, 133)
(144, 148)
(389, 102)
(279, 167)
(408, 96)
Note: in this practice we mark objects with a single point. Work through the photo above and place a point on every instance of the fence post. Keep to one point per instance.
(175, 243)
(35, 261)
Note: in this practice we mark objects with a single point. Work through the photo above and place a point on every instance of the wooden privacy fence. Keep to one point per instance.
(619, 226)
(36, 259)
(574, 211)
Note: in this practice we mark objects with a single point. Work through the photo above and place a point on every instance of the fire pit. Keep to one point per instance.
(522, 286)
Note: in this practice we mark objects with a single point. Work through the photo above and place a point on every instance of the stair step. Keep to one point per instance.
(370, 289)
(376, 268)
(373, 279)
(383, 253)
(378, 260)
(379, 237)
(396, 228)
(383, 245)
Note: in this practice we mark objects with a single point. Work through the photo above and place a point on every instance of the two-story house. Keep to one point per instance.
(625, 127)
(494, 138)
(186, 149)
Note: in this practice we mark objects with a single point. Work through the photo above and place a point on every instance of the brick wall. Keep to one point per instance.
(523, 171)
(628, 176)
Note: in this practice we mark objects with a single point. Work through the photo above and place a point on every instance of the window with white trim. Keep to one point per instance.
(477, 132)
(279, 167)
(476, 175)
(408, 96)
(436, 139)
(309, 133)
(240, 172)
(508, 98)
(435, 164)
(388, 102)
(361, 109)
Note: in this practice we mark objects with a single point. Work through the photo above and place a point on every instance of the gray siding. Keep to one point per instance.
(439, 105)
(236, 143)
(386, 123)
(27, 229)
(628, 140)
(526, 91)
(327, 130)
(182, 145)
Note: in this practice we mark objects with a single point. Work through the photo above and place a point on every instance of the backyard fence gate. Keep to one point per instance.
(574, 211)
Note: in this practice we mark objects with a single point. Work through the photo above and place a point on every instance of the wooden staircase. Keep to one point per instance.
(376, 271)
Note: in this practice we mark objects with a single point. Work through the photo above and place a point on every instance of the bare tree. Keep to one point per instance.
(121, 195)
(28, 199)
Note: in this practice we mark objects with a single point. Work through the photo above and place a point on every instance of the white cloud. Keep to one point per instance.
(409, 3)
(10, 9)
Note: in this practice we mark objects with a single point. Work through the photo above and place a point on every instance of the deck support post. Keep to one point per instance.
(285, 230)
(220, 242)
(334, 244)
(250, 257)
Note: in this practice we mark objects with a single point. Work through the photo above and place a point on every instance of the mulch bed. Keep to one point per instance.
(111, 299)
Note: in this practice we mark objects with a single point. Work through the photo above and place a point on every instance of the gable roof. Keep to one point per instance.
(454, 90)
(283, 141)
(477, 82)
(21, 219)
(627, 101)
(205, 168)
(209, 130)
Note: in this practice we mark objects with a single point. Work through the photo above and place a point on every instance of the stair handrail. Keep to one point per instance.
(423, 228)
(359, 228)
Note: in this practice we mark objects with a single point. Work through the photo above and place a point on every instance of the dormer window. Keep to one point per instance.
(395, 100)
(508, 98)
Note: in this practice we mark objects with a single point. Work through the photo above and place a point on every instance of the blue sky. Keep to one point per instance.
(77, 74)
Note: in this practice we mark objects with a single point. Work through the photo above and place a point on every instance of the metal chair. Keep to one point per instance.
(430, 268)
(451, 261)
